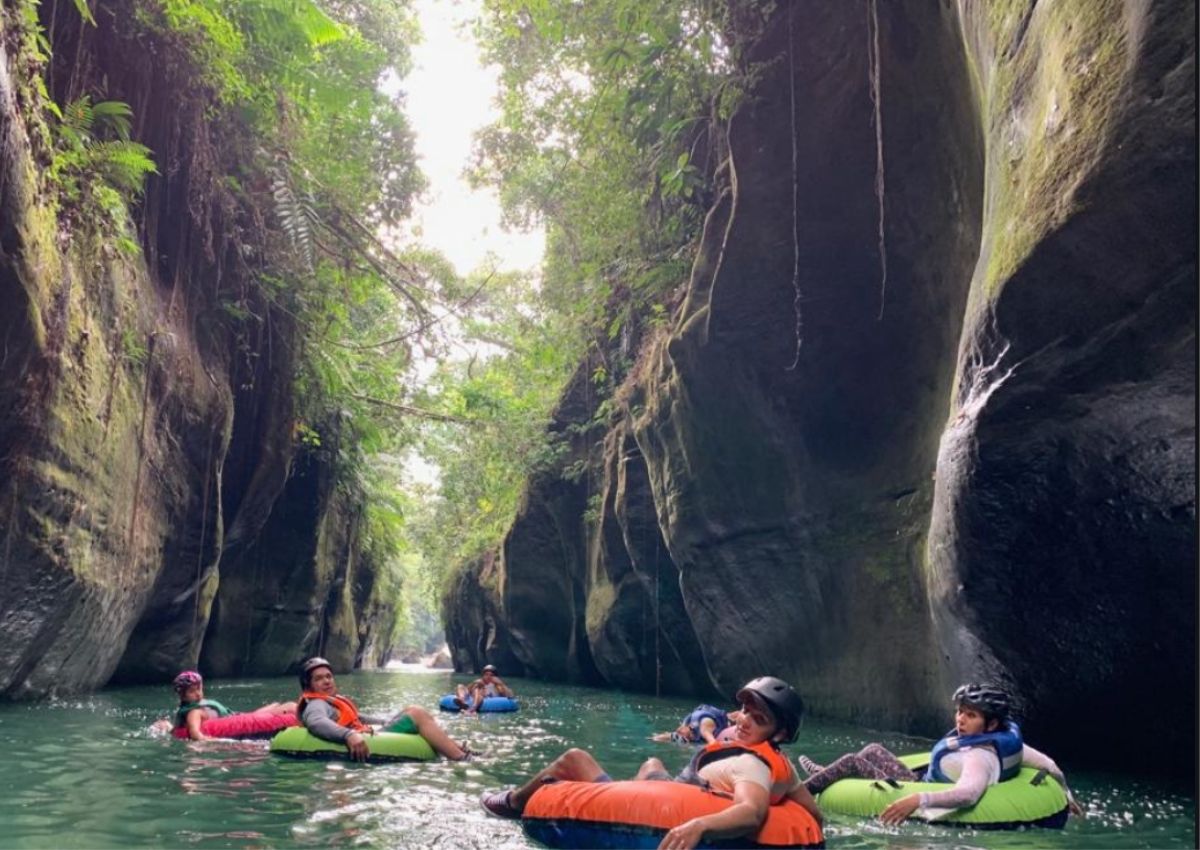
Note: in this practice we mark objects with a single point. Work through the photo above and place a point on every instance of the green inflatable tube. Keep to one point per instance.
(1031, 798)
(384, 746)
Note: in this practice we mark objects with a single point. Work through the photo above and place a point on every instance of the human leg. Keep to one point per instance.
(885, 764)
(574, 765)
(810, 766)
(461, 696)
(873, 761)
(652, 768)
(476, 699)
(276, 708)
(429, 729)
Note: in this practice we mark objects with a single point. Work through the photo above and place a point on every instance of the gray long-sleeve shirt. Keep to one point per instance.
(320, 718)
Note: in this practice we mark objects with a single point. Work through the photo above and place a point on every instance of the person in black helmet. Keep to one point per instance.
(983, 748)
(334, 717)
(750, 767)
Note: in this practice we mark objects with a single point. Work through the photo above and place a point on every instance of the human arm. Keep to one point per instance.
(708, 729)
(800, 794)
(980, 767)
(744, 817)
(681, 734)
(193, 720)
(318, 718)
(501, 688)
(1040, 761)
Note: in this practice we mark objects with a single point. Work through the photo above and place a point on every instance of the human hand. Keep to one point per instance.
(683, 837)
(1073, 806)
(900, 810)
(357, 745)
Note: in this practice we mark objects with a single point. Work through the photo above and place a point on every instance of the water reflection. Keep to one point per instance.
(103, 780)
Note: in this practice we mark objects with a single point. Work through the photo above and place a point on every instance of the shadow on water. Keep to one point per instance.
(87, 772)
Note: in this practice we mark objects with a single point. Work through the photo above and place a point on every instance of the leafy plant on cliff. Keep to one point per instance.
(95, 164)
(609, 137)
(285, 161)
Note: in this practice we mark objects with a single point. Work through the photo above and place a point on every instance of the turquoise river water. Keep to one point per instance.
(86, 772)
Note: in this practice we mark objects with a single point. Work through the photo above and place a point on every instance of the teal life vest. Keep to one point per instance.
(1007, 743)
(182, 713)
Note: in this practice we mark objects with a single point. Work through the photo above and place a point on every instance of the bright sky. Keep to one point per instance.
(449, 97)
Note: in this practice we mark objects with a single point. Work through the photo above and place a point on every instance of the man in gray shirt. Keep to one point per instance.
(333, 717)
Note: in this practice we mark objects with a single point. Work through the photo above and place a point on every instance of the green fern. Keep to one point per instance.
(77, 118)
(123, 164)
(297, 215)
(115, 115)
(80, 117)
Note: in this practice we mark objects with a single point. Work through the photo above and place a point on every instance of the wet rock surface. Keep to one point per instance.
(981, 464)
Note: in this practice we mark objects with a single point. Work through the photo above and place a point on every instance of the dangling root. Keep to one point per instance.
(877, 103)
(798, 296)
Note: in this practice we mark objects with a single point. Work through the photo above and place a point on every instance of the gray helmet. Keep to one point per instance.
(783, 701)
(487, 667)
(307, 667)
(991, 699)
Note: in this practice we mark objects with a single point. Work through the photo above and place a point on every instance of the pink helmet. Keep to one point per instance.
(186, 679)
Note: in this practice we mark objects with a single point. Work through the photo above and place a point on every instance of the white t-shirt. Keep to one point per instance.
(724, 774)
(952, 763)
(974, 769)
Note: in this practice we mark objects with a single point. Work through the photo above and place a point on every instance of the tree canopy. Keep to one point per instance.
(609, 138)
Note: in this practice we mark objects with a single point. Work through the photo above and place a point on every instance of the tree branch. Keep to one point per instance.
(413, 411)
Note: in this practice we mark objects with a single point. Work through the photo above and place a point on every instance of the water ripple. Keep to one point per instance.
(103, 779)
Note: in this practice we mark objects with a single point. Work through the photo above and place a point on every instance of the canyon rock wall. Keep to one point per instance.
(927, 410)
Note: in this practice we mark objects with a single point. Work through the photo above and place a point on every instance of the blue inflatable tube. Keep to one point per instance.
(447, 703)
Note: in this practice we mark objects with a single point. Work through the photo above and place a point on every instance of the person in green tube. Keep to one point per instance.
(984, 747)
(331, 716)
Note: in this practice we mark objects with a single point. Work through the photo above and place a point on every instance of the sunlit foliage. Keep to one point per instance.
(610, 139)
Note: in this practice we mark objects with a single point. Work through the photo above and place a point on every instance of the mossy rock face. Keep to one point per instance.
(136, 484)
(112, 430)
(639, 632)
(476, 628)
(1062, 544)
(979, 464)
(287, 595)
(791, 422)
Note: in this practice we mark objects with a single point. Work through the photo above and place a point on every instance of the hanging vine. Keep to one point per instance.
(877, 106)
(798, 295)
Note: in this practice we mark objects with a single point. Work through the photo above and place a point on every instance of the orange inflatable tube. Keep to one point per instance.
(638, 813)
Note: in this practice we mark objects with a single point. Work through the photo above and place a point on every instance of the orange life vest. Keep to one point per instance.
(346, 709)
(781, 769)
